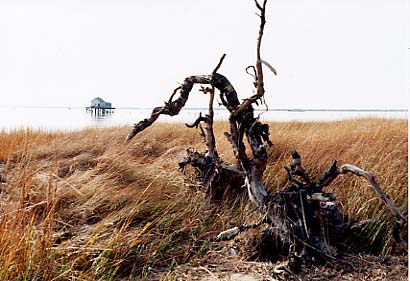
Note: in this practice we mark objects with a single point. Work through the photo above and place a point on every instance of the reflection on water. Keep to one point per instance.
(77, 118)
(100, 116)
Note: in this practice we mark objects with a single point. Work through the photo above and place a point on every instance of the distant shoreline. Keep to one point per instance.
(222, 108)
(69, 118)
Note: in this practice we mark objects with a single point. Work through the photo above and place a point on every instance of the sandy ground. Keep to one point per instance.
(227, 267)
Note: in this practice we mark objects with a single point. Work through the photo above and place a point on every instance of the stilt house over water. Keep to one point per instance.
(100, 107)
(100, 103)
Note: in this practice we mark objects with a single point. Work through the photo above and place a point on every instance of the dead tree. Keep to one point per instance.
(298, 212)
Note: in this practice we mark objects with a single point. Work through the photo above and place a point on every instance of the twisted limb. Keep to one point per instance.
(171, 107)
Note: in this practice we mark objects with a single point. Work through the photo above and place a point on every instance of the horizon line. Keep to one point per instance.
(222, 108)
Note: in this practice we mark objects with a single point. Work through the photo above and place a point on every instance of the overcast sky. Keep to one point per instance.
(328, 53)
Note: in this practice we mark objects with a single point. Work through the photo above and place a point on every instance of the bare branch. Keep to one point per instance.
(219, 64)
(376, 187)
(197, 121)
(254, 74)
(296, 167)
(327, 178)
(233, 232)
(171, 107)
(260, 90)
(209, 127)
(173, 94)
(334, 171)
(269, 66)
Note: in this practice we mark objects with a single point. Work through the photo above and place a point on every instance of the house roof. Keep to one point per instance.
(98, 99)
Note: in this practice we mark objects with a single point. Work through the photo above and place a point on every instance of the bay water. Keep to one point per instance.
(74, 118)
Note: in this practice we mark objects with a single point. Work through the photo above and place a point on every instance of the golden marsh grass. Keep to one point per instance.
(83, 205)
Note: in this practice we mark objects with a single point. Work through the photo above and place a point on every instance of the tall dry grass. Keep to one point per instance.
(83, 205)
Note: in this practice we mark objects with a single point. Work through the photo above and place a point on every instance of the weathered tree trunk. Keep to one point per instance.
(299, 213)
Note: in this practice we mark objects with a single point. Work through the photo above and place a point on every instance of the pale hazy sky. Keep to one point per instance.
(328, 53)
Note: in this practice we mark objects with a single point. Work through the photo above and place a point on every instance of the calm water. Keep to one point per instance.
(78, 118)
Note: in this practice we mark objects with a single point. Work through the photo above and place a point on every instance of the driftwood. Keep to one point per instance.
(297, 213)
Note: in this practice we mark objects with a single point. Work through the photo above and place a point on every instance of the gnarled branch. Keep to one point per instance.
(172, 107)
